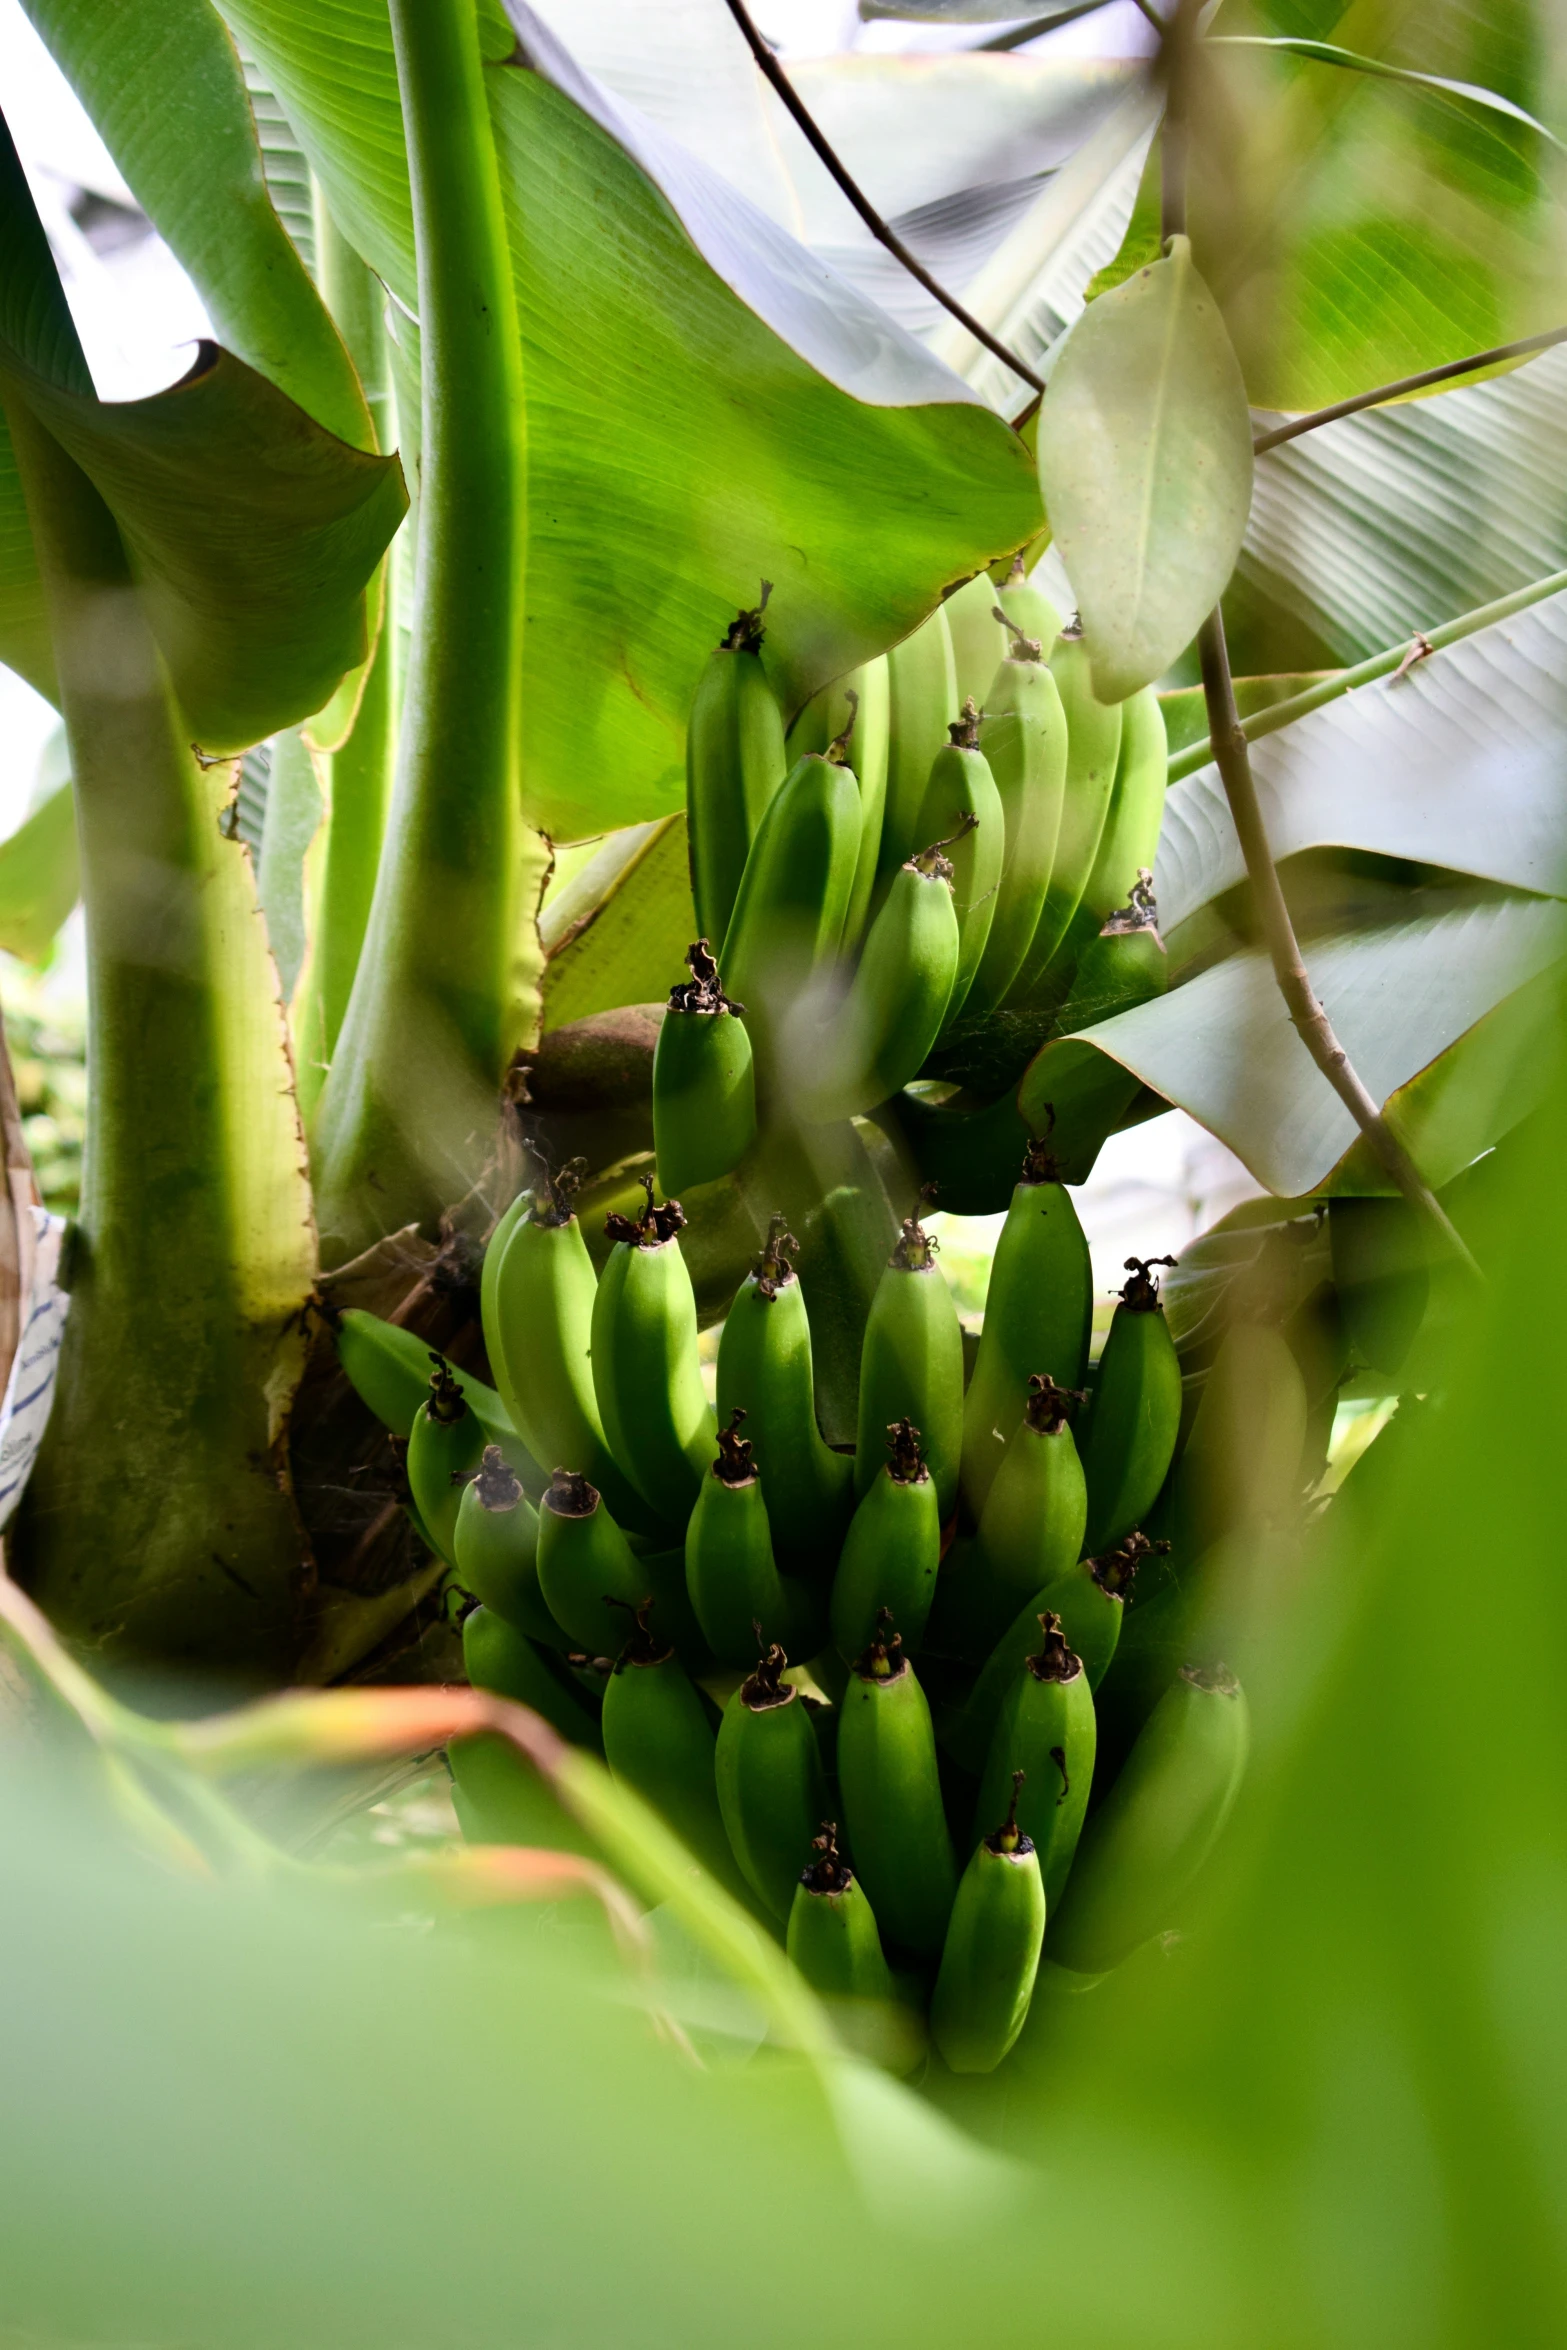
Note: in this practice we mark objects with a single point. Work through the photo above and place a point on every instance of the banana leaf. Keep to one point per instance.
(861, 440)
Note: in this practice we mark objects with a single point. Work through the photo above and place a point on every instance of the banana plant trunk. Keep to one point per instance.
(158, 1522)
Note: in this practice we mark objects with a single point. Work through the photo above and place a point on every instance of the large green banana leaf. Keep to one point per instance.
(167, 93)
(283, 164)
(253, 532)
(854, 471)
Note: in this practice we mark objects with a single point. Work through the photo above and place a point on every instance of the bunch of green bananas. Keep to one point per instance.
(860, 1685)
(959, 850)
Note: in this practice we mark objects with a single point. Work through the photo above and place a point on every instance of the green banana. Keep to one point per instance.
(1158, 1824)
(979, 639)
(991, 1953)
(967, 1156)
(584, 1559)
(962, 807)
(646, 1374)
(770, 1785)
(494, 1249)
(1091, 1599)
(922, 703)
(1380, 1272)
(1122, 965)
(1240, 1466)
(832, 1931)
(446, 1442)
(794, 895)
(389, 1370)
(538, 1321)
(658, 1739)
(891, 1791)
(1038, 1315)
(1136, 1414)
(911, 1366)
(1023, 736)
(704, 1085)
(501, 1658)
(764, 1370)
(1031, 1527)
(876, 1035)
(734, 1584)
(891, 1552)
(855, 714)
(1027, 607)
(734, 765)
(495, 1548)
(1089, 1602)
(1046, 1730)
(1093, 732)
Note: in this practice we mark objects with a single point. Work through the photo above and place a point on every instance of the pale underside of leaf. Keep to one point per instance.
(1223, 1048)
(1031, 289)
(1456, 764)
(815, 313)
(617, 933)
(1410, 515)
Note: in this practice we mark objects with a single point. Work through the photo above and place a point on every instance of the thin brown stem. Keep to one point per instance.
(1292, 431)
(773, 73)
(1311, 1023)
(1178, 39)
